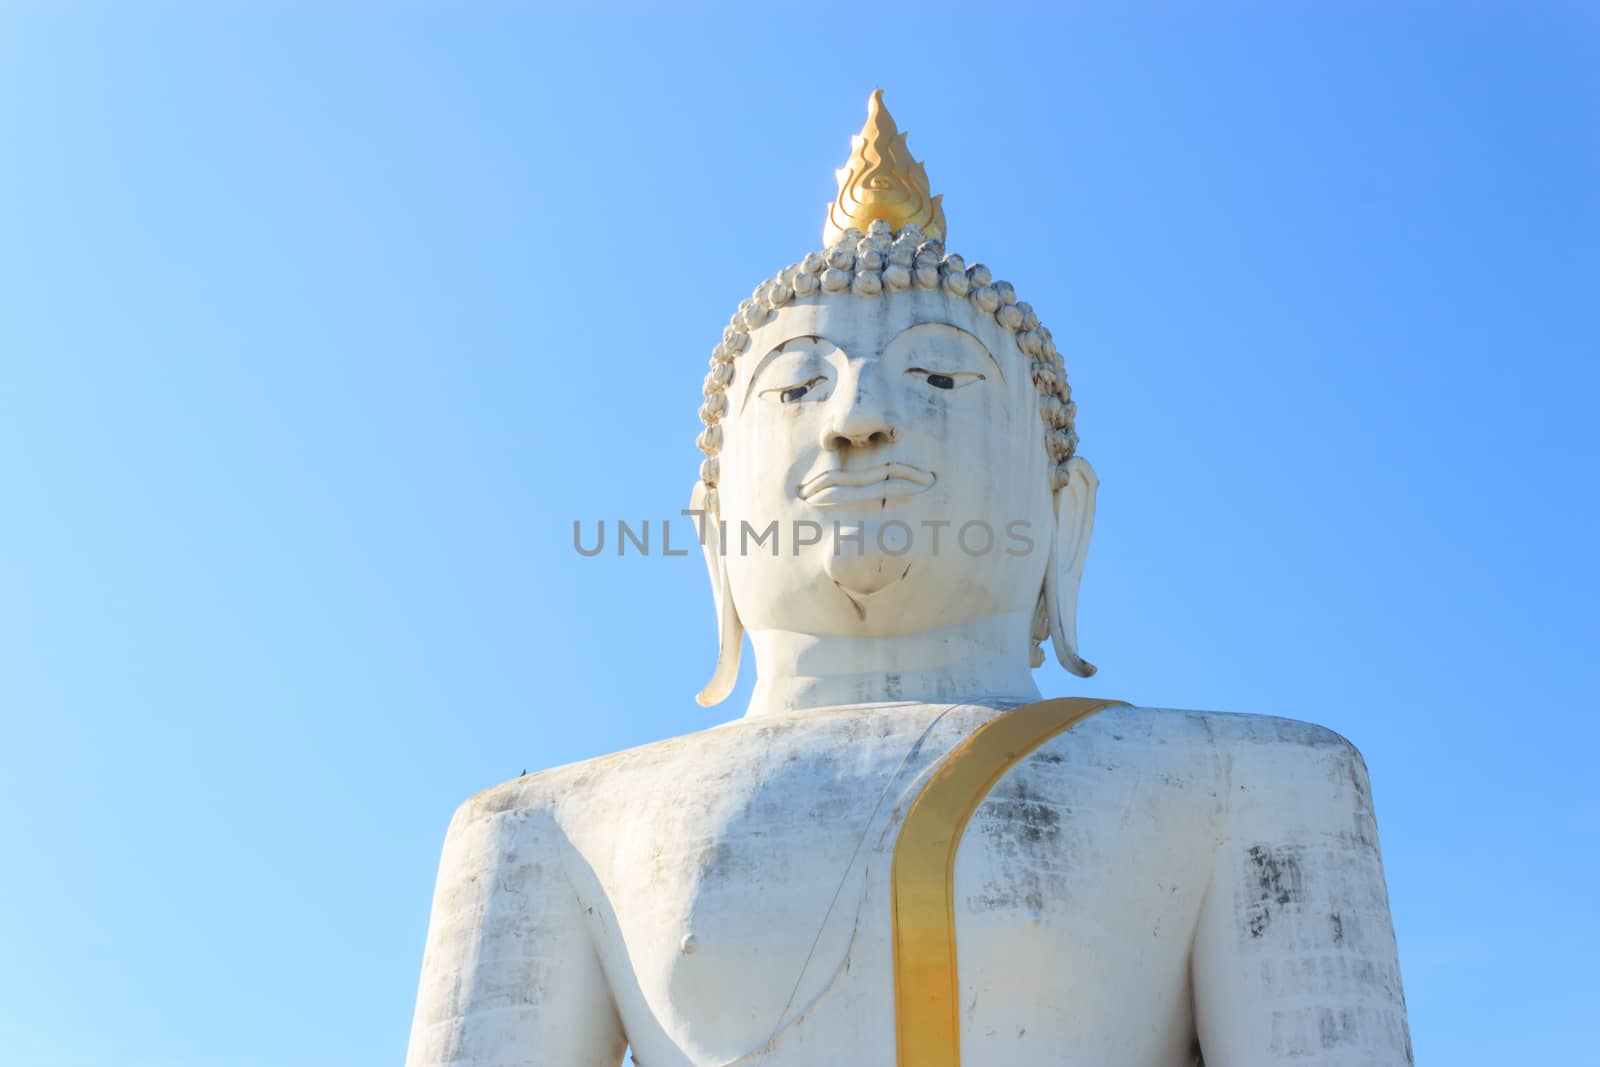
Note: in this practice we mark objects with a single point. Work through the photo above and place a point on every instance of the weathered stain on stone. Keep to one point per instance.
(1275, 879)
(1023, 816)
(1337, 1028)
(1277, 874)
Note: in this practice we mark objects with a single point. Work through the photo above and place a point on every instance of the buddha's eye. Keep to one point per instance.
(792, 394)
(946, 379)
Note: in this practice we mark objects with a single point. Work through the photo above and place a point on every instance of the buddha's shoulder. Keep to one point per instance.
(625, 771)
(1227, 731)
(537, 791)
(1253, 755)
(1149, 738)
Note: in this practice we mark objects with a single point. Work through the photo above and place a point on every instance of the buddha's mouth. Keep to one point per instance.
(886, 481)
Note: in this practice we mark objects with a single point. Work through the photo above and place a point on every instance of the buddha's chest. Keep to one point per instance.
(747, 909)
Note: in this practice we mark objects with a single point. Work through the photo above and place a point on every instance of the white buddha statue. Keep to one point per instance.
(900, 855)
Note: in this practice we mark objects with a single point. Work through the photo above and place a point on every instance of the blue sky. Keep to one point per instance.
(319, 325)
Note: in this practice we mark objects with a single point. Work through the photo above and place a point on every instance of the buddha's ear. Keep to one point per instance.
(1069, 548)
(730, 631)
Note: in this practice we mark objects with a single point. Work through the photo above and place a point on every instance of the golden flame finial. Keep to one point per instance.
(882, 181)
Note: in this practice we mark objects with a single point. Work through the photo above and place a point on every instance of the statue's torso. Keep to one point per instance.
(736, 883)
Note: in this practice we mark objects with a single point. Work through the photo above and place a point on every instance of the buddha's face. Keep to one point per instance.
(896, 443)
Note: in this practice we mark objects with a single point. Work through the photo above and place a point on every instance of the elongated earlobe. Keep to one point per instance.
(730, 647)
(1069, 549)
(730, 631)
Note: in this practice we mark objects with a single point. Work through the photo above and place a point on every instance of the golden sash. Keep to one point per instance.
(922, 878)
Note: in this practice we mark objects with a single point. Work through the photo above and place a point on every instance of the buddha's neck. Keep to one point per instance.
(969, 663)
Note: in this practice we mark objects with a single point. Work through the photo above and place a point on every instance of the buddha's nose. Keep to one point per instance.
(859, 417)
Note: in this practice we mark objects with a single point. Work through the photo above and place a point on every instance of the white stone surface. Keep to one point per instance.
(1144, 888)
(1146, 880)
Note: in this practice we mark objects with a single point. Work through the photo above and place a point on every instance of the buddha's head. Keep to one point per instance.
(889, 439)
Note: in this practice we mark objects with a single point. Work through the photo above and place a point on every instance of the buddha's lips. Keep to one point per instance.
(883, 482)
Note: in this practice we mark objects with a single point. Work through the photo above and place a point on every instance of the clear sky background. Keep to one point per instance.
(319, 326)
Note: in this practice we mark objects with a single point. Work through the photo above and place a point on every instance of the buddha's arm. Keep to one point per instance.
(510, 976)
(1294, 958)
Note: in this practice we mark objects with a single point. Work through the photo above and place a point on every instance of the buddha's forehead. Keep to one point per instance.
(863, 326)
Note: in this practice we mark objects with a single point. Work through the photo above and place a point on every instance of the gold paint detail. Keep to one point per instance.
(922, 880)
(882, 181)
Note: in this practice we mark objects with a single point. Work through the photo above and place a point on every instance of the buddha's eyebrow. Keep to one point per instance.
(993, 362)
(780, 349)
